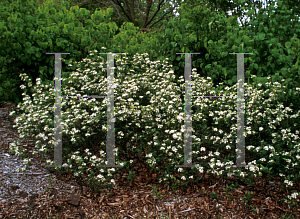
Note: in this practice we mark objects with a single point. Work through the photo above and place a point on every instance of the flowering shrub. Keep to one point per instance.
(149, 124)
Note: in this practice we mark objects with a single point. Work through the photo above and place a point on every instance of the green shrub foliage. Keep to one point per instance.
(149, 123)
(28, 31)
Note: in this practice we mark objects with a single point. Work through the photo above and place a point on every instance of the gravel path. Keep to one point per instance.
(24, 187)
(14, 184)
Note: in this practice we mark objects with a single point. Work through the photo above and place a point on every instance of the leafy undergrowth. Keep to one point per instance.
(143, 197)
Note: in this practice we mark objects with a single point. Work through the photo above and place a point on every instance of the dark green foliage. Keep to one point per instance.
(273, 42)
(29, 30)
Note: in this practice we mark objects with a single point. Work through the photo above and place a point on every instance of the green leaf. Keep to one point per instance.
(7, 84)
(38, 54)
(296, 64)
(27, 44)
(224, 54)
(261, 36)
(287, 45)
(246, 38)
(208, 66)
(234, 78)
(174, 44)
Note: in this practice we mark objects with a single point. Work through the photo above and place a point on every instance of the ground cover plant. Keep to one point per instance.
(149, 125)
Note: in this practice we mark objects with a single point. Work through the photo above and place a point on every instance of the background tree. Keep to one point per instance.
(293, 5)
(145, 14)
(219, 6)
(270, 34)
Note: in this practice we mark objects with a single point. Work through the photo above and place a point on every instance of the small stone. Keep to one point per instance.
(23, 194)
(74, 200)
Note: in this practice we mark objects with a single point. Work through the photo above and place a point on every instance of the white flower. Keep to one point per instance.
(261, 128)
(93, 157)
(294, 195)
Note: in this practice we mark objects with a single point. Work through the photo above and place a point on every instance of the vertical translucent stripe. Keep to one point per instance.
(188, 114)
(188, 111)
(110, 111)
(240, 160)
(240, 145)
(57, 111)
